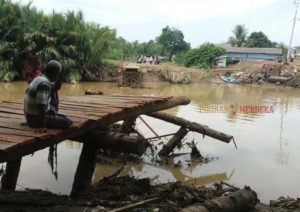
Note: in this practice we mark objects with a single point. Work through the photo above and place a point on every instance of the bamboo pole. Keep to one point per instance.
(149, 127)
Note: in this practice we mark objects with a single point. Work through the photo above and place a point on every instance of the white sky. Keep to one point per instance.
(200, 20)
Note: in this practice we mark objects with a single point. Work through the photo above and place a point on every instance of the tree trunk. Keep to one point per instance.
(205, 130)
(119, 142)
(173, 142)
(240, 200)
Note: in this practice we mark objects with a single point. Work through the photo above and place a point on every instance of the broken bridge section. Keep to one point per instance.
(87, 112)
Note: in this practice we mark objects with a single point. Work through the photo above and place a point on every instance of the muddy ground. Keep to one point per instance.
(116, 192)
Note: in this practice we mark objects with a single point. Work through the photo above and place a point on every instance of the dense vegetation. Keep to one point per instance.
(172, 41)
(204, 56)
(82, 47)
(240, 38)
(26, 33)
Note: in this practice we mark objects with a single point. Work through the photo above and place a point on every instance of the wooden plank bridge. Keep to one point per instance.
(87, 112)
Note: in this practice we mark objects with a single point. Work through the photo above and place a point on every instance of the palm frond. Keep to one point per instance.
(7, 76)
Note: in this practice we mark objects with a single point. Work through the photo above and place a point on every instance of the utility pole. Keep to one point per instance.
(293, 28)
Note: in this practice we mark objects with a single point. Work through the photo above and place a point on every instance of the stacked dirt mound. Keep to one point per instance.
(258, 66)
(249, 66)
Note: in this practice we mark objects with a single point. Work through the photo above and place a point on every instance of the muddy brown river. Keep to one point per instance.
(263, 119)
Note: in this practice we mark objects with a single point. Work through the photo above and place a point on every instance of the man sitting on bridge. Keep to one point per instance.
(37, 100)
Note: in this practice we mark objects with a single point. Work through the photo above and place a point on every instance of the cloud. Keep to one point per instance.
(131, 12)
(200, 20)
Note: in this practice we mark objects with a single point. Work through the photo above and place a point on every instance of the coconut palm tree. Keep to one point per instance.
(240, 36)
(26, 33)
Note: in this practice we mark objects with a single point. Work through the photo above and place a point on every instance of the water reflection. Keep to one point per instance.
(161, 174)
(268, 146)
(283, 155)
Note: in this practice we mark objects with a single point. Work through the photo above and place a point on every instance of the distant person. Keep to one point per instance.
(37, 109)
(32, 69)
(150, 59)
(268, 73)
(292, 57)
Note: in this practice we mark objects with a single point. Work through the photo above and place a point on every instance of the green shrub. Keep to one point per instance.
(7, 76)
(203, 56)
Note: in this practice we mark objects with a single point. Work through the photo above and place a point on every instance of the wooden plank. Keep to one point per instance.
(16, 110)
(98, 105)
(138, 101)
(102, 103)
(134, 96)
(83, 108)
(20, 106)
(21, 119)
(4, 145)
(12, 105)
(88, 105)
(144, 98)
(11, 120)
(14, 125)
(102, 99)
(26, 128)
(11, 115)
(82, 114)
(17, 132)
(93, 112)
(16, 138)
(14, 101)
(10, 110)
(106, 100)
(135, 100)
(89, 113)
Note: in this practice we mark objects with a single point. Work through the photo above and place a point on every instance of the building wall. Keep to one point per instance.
(252, 56)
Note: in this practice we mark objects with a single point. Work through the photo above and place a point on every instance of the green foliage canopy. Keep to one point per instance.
(259, 40)
(203, 57)
(172, 40)
(26, 33)
(240, 34)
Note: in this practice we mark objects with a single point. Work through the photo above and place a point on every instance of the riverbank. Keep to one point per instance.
(248, 72)
(115, 193)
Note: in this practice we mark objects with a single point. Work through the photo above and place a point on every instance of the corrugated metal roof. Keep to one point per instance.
(276, 51)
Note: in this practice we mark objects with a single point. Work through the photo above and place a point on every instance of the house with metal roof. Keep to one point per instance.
(259, 54)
